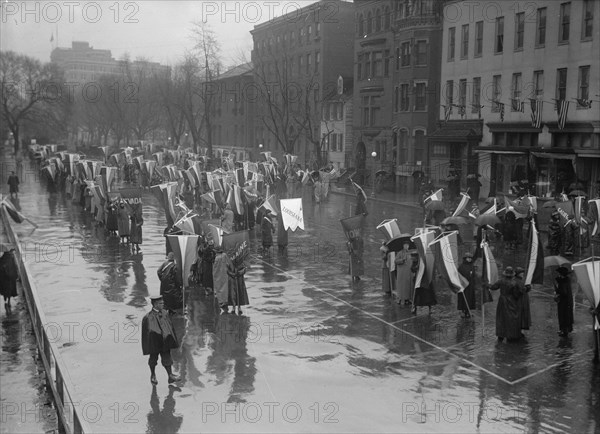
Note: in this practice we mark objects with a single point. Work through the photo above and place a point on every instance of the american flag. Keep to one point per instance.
(563, 108)
(447, 111)
(501, 104)
(585, 103)
(536, 112)
(518, 105)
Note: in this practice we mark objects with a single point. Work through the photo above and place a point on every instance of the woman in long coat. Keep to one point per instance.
(221, 280)
(136, 231)
(525, 304)
(237, 287)
(206, 266)
(282, 234)
(112, 224)
(424, 295)
(404, 276)
(8, 277)
(385, 271)
(123, 223)
(356, 266)
(267, 231)
(564, 299)
(508, 310)
(467, 269)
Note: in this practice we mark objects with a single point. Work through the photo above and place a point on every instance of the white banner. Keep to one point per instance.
(291, 214)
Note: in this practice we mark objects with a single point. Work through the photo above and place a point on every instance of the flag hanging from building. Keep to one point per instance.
(447, 111)
(501, 105)
(535, 258)
(445, 248)
(184, 247)
(292, 214)
(584, 103)
(518, 105)
(563, 108)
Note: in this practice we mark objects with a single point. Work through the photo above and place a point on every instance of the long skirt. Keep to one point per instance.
(508, 318)
(237, 291)
(404, 282)
(385, 280)
(425, 296)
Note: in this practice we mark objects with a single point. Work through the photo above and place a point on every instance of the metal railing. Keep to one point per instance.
(57, 377)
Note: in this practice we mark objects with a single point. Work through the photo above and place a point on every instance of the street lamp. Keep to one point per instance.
(374, 155)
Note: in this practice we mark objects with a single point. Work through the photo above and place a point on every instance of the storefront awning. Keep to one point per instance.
(493, 151)
(549, 155)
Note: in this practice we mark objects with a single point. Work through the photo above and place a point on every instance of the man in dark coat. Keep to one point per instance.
(563, 295)
(508, 310)
(169, 287)
(9, 274)
(525, 305)
(13, 182)
(158, 338)
(467, 269)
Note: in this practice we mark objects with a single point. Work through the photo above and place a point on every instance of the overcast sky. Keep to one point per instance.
(158, 30)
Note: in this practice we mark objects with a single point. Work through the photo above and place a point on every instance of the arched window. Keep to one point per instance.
(361, 25)
(378, 20)
(403, 146)
(369, 23)
(387, 18)
(420, 144)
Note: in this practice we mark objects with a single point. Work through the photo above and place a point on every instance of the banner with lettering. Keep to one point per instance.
(292, 214)
(237, 246)
(353, 226)
(133, 199)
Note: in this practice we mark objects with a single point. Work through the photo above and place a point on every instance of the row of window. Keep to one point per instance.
(333, 142)
(564, 24)
(533, 90)
(380, 20)
(333, 111)
(302, 64)
(376, 64)
(402, 100)
(305, 36)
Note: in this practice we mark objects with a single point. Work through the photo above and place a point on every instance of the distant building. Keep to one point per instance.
(336, 126)
(83, 63)
(233, 116)
(504, 68)
(297, 59)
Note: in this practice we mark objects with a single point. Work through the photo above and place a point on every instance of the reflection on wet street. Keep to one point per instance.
(314, 351)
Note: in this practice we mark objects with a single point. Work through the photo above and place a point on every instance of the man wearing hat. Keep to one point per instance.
(563, 295)
(158, 338)
(554, 234)
(508, 310)
(525, 306)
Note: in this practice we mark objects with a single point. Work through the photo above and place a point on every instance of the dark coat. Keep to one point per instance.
(8, 275)
(508, 310)
(525, 305)
(564, 307)
(468, 270)
(554, 237)
(282, 233)
(356, 266)
(424, 296)
(237, 286)
(136, 229)
(13, 182)
(158, 334)
(206, 266)
(267, 230)
(169, 287)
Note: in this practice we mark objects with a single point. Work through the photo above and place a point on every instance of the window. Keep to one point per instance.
(339, 111)
(317, 30)
(478, 38)
(516, 92)
(421, 58)
(368, 65)
(421, 97)
(497, 92)
(476, 101)
(309, 34)
(293, 39)
(584, 83)
(397, 58)
(378, 20)
(565, 22)
(462, 95)
(405, 53)
(404, 98)
(386, 63)
(540, 32)
(386, 18)
(359, 68)
(499, 46)
(449, 92)
(464, 46)
(588, 19)
(369, 23)
(440, 150)
(361, 25)
(403, 146)
(396, 99)
(300, 63)
(561, 84)
(519, 30)
(419, 145)
(538, 83)
(371, 108)
(308, 62)
(301, 36)
(377, 64)
(451, 43)
(317, 60)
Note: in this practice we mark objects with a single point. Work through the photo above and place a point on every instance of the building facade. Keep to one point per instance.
(297, 59)
(520, 94)
(336, 126)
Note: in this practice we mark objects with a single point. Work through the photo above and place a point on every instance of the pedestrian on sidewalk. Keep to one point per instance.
(9, 273)
(159, 338)
(13, 182)
(554, 234)
(563, 295)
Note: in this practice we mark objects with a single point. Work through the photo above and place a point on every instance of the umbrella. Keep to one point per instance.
(555, 261)
(454, 220)
(487, 219)
(381, 173)
(397, 243)
(418, 174)
(434, 205)
(577, 193)
(549, 204)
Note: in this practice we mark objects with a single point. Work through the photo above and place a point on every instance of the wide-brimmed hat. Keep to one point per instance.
(563, 271)
(508, 272)
(468, 255)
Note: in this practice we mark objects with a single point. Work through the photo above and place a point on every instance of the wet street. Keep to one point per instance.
(314, 352)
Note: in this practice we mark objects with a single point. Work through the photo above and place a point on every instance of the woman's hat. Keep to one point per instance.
(508, 272)
(468, 255)
(519, 270)
(563, 271)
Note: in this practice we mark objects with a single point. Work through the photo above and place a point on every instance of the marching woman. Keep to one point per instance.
(404, 277)
(123, 223)
(467, 269)
(385, 270)
(136, 231)
(508, 309)
(423, 295)
(267, 231)
(356, 266)
(564, 299)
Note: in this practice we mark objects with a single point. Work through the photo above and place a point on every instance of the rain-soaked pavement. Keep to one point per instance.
(313, 353)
